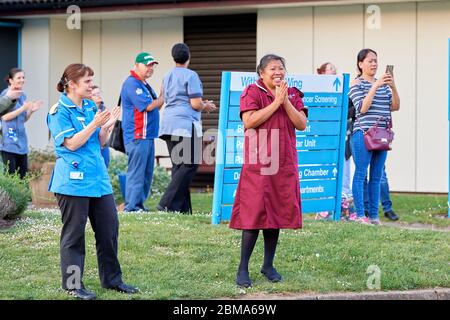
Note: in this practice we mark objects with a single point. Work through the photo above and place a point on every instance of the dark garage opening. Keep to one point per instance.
(218, 43)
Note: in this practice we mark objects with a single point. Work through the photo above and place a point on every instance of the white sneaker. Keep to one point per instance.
(362, 221)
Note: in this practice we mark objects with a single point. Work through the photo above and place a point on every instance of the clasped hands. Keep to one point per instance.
(281, 93)
(209, 106)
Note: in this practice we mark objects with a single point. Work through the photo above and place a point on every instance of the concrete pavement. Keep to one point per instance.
(427, 294)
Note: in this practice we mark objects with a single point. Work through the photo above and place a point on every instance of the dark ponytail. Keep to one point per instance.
(11, 74)
(61, 85)
(73, 72)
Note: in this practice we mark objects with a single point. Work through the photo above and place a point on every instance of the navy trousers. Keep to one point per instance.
(16, 162)
(141, 162)
(103, 217)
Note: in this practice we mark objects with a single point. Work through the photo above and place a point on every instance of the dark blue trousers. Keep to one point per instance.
(141, 162)
(103, 217)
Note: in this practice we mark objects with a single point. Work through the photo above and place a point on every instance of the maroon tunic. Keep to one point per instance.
(268, 193)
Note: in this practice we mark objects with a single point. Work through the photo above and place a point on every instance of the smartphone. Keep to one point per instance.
(390, 69)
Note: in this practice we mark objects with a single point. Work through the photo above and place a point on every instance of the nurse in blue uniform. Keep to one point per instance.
(81, 184)
(14, 140)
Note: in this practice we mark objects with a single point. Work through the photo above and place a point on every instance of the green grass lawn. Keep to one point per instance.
(426, 209)
(201, 202)
(411, 208)
(172, 256)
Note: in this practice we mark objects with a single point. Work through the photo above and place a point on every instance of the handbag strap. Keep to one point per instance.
(388, 122)
(119, 102)
(154, 97)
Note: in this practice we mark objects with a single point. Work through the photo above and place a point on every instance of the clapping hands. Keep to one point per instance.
(115, 115)
(13, 94)
(36, 105)
(101, 118)
(209, 106)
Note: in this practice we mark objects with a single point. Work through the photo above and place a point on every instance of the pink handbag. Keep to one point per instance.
(376, 138)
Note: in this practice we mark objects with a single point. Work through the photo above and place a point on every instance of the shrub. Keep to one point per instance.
(119, 164)
(36, 158)
(14, 195)
(42, 155)
(161, 179)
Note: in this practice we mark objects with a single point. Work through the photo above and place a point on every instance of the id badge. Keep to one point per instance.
(12, 134)
(76, 175)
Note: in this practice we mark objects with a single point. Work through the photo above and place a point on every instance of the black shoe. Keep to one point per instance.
(125, 288)
(391, 215)
(271, 274)
(243, 279)
(82, 294)
(160, 208)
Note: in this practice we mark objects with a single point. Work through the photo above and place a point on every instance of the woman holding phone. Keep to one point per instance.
(374, 99)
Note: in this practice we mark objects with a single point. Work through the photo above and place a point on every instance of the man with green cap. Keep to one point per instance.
(140, 124)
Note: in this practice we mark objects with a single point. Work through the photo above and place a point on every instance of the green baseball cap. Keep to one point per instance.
(145, 58)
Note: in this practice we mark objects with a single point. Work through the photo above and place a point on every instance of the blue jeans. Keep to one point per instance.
(363, 158)
(141, 161)
(385, 198)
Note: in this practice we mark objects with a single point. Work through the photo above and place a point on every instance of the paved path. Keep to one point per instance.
(428, 294)
(415, 226)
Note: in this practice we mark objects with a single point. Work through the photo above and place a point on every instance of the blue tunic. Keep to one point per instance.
(81, 172)
(14, 137)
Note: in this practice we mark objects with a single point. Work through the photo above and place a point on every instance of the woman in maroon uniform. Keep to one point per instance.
(268, 193)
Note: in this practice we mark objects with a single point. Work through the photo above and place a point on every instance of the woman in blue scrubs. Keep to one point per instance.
(81, 184)
(14, 140)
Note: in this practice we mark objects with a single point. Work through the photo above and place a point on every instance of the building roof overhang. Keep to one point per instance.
(155, 8)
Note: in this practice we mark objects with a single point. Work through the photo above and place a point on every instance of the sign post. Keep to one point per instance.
(320, 147)
(448, 81)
